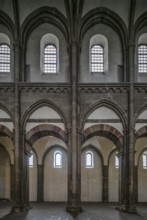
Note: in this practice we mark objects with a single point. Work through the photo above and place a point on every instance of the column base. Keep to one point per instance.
(126, 208)
(121, 207)
(132, 209)
(74, 210)
(20, 208)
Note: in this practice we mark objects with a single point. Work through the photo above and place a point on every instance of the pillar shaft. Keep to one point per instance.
(105, 183)
(40, 183)
(74, 203)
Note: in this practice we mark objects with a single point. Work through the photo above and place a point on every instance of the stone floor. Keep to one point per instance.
(48, 211)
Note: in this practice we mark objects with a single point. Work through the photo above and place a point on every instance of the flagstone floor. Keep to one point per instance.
(91, 211)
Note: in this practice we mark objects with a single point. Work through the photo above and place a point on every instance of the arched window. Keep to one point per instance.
(116, 161)
(142, 59)
(57, 159)
(89, 159)
(50, 59)
(97, 59)
(144, 160)
(4, 58)
(31, 160)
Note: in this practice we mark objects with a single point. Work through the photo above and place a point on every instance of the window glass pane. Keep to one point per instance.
(142, 59)
(50, 59)
(57, 159)
(31, 159)
(4, 58)
(116, 162)
(97, 58)
(144, 160)
(89, 160)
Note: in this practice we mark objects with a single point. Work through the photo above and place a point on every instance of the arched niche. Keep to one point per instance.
(34, 64)
(113, 53)
(45, 40)
(99, 39)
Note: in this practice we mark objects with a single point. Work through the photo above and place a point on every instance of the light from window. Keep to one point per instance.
(142, 59)
(57, 159)
(97, 58)
(89, 159)
(116, 162)
(4, 58)
(144, 160)
(50, 59)
(31, 160)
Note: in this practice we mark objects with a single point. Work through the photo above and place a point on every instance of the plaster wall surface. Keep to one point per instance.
(55, 179)
(4, 175)
(91, 180)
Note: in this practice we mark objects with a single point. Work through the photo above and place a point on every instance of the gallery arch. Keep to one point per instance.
(47, 171)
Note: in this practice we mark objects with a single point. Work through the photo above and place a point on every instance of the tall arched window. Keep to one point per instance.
(142, 59)
(97, 59)
(89, 159)
(144, 160)
(57, 159)
(4, 58)
(50, 59)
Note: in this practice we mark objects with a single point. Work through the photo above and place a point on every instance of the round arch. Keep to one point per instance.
(107, 131)
(144, 149)
(91, 147)
(5, 132)
(59, 147)
(44, 130)
(6, 152)
(142, 132)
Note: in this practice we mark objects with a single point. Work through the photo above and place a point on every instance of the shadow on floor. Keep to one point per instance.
(56, 211)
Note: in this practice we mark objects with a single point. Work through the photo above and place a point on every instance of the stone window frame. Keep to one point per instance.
(49, 39)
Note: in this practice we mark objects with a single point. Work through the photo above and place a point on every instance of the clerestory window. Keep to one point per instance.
(142, 59)
(4, 58)
(97, 59)
(50, 59)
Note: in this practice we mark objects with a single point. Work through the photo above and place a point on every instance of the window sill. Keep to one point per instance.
(46, 74)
